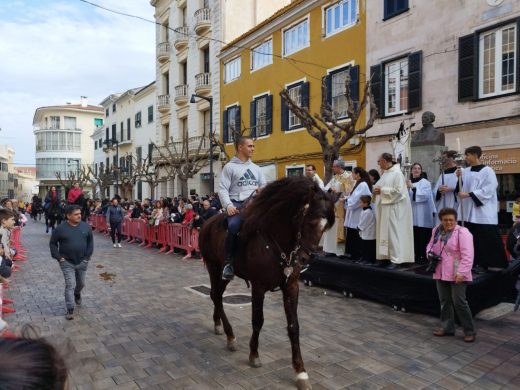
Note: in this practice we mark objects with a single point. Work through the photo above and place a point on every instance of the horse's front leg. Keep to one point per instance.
(258, 322)
(290, 301)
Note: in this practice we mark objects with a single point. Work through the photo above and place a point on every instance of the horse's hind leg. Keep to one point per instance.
(290, 302)
(218, 286)
(258, 322)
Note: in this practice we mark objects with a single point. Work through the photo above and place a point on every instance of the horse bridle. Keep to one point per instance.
(289, 261)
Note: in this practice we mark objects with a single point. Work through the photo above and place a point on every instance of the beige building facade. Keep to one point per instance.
(63, 142)
(25, 183)
(7, 172)
(189, 37)
(457, 59)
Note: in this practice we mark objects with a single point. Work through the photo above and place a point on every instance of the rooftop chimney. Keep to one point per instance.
(83, 101)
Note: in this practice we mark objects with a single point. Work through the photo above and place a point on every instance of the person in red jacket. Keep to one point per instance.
(74, 194)
(188, 215)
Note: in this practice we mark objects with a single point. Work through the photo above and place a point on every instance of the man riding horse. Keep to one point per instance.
(240, 179)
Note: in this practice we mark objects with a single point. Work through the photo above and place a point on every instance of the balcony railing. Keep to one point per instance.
(202, 20)
(196, 146)
(163, 51)
(163, 103)
(202, 82)
(181, 94)
(181, 37)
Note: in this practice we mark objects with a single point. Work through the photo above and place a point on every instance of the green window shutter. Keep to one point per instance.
(468, 67)
(415, 81)
(269, 114)
(252, 118)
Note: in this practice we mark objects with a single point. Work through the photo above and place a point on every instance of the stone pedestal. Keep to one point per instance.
(425, 155)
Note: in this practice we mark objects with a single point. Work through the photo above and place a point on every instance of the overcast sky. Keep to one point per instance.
(54, 51)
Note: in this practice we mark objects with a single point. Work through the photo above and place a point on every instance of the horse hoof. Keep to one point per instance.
(232, 345)
(302, 381)
(219, 330)
(255, 362)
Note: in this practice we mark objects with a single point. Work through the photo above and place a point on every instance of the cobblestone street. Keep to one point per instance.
(141, 327)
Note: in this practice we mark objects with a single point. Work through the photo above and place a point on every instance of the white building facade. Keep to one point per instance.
(7, 172)
(126, 138)
(63, 142)
(457, 59)
(189, 37)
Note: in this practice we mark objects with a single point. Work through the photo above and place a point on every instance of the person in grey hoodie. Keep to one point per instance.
(115, 218)
(240, 179)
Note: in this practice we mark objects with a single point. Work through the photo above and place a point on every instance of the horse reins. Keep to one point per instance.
(288, 261)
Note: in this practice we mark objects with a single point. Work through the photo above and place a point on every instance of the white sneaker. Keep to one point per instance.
(115, 245)
(119, 245)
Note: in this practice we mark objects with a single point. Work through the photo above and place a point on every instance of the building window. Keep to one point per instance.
(262, 55)
(114, 107)
(232, 70)
(396, 87)
(340, 16)
(231, 124)
(114, 132)
(138, 119)
(58, 141)
(497, 61)
(261, 116)
(55, 122)
(128, 128)
(100, 143)
(394, 8)
(338, 93)
(106, 112)
(95, 145)
(150, 114)
(299, 93)
(122, 135)
(70, 122)
(98, 122)
(296, 38)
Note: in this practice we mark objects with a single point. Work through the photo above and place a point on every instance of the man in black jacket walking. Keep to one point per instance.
(72, 244)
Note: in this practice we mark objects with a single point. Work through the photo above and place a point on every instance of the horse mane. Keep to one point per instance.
(278, 204)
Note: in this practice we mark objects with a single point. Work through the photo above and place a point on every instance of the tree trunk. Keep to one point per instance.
(184, 187)
(152, 190)
(330, 153)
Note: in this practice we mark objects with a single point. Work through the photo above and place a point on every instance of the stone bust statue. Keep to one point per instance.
(428, 134)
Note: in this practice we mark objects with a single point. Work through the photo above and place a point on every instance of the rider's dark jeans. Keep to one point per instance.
(235, 221)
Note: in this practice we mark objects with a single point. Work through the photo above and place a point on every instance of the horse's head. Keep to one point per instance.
(290, 206)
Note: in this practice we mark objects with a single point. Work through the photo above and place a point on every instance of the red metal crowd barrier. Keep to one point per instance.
(167, 236)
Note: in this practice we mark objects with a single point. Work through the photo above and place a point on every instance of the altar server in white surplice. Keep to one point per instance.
(394, 216)
(478, 210)
(446, 194)
(423, 210)
(363, 186)
(339, 186)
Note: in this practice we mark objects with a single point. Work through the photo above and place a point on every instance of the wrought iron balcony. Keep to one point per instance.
(202, 20)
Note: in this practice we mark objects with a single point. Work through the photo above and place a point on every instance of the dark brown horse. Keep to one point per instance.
(281, 227)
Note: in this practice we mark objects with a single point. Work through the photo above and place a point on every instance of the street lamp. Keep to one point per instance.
(110, 145)
(210, 100)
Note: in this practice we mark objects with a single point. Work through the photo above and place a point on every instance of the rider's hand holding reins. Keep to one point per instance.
(232, 211)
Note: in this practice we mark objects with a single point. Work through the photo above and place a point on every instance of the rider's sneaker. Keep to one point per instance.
(119, 245)
(228, 273)
(115, 245)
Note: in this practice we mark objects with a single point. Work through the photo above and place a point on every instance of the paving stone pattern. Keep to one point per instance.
(145, 330)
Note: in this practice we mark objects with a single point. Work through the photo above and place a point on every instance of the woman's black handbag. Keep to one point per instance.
(433, 261)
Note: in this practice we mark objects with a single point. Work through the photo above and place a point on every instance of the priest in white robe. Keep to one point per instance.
(446, 189)
(394, 226)
(478, 209)
(339, 186)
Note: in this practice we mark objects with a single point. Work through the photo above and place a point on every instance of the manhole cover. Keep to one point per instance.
(237, 299)
(228, 299)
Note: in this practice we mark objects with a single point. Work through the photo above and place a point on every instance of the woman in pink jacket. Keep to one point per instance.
(454, 245)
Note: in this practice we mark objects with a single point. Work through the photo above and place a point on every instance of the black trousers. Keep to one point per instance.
(421, 237)
(368, 250)
(489, 249)
(113, 227)
(353, 243)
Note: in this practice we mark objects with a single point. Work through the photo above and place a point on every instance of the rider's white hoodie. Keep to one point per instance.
(239, 180)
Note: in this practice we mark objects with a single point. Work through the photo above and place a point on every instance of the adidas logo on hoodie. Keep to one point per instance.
(247, 179)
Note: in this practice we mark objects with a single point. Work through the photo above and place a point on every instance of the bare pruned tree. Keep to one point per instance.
(146, 170)
(324, 126)
(67, 180)
(184, 159)
(101, 179)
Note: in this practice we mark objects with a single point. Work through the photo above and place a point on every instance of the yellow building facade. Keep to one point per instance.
(296, 48)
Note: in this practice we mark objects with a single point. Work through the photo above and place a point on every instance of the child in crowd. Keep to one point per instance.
(5, 265)
(367, 231)
(7, 222)
(516, 211)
